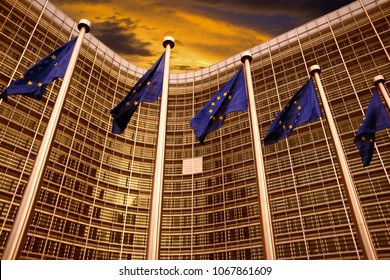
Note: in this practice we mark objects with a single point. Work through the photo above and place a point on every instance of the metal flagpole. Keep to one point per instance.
(265, 212)
(17, 236)
(154, 233)
(353, 199)
(379, 82)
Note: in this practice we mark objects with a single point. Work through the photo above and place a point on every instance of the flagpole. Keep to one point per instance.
(379, 82)
(367, 245)
(263, 201)
(154, 233)
(18, 234)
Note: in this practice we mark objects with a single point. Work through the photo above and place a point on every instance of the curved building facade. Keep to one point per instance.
(95, 197)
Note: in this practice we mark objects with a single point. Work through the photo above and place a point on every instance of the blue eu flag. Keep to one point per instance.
(34, 81)
(147, 89)
(376, 119)
(231, 97)
(302, 108)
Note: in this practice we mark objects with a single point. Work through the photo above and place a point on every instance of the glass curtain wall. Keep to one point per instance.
(95, 197)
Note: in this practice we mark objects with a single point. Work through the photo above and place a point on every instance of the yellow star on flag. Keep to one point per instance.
(53, 57)
(29, 83)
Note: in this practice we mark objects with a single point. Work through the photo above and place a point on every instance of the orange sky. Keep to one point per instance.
(207, 41)
(205, 32)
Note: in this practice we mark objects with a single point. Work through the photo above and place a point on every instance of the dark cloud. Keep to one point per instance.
(184, 68)
(268, 18)
(271, 17)
(272, 25)
(117, 33)
(296, 8)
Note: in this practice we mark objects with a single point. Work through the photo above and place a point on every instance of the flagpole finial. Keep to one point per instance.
(379, 79)
(246, 55)
(84, 23)
(169, 40)
(315, 68)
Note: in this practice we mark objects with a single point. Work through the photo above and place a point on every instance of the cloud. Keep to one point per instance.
(296, 8)
(183, 68)
(205, 31)
(118, 34)
(271, 17)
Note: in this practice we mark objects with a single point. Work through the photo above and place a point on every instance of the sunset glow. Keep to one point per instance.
(205, 32)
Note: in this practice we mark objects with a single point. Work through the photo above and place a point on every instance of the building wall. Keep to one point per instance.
(95, 198)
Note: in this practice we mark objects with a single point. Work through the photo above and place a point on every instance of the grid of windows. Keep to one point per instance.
(95, 197)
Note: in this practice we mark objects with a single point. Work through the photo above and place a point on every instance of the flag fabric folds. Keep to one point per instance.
(231, 97)
(376, 119)
(302, 108)
(34, 81)
(147, 89)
